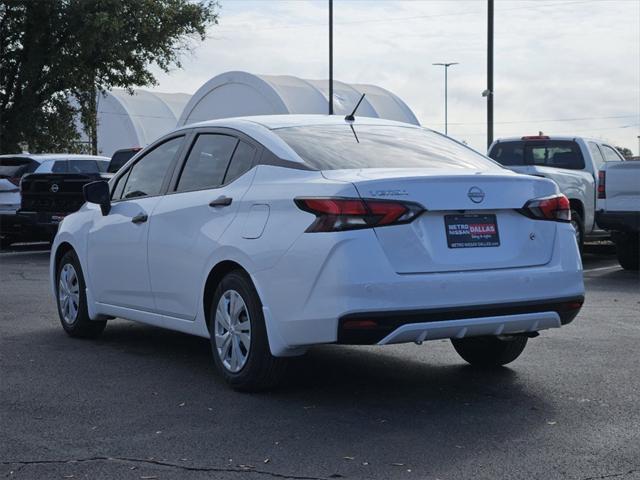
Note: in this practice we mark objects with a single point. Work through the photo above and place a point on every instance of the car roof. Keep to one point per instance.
(41, 157)
(261, 128)
(273, 122)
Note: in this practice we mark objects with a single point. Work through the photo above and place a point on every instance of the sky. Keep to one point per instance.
(560, 66)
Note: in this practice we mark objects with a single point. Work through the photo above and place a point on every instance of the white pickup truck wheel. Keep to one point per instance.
(628, 251)
(578, 225)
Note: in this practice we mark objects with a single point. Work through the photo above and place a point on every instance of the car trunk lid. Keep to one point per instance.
(481, 207)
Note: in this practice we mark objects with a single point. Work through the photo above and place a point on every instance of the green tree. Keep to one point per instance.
(52, 50)
(625, 152)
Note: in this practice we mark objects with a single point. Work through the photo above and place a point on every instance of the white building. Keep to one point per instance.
(234, 94)
(126, 120)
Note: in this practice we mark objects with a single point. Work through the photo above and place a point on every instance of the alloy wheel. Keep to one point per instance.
(69, 293)
(232, 330)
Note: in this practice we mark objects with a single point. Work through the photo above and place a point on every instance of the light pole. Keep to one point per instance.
(330, 57)
(446, 68)
(489, 90)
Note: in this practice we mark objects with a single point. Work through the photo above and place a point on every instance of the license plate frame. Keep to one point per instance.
(478, 230)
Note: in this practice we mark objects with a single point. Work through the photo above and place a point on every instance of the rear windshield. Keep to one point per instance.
(87, 166)
(333, 147)
(16, 167)
(79, 166)
(120, 158)
(548, 153)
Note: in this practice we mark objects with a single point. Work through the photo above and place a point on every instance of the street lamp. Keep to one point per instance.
(330, 57)
(446, 67)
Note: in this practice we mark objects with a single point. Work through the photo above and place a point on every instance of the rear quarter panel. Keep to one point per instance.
(73, 230)
(576, 185)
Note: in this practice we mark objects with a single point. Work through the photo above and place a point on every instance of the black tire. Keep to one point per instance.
(261, 370)
(628, 251)
(578, 224)
(5, 242)
(81, 326)
(490, 351)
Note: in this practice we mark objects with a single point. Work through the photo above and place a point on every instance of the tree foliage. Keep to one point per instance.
(625, 152)
(51, 50)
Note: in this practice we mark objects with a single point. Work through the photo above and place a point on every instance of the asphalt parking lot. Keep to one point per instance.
(143, 403)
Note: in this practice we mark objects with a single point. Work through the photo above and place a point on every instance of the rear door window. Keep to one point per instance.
(547, 153)
(241, 162)
(207, 162)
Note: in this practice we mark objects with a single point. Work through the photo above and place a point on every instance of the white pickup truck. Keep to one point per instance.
(618, 209)
(572, 162)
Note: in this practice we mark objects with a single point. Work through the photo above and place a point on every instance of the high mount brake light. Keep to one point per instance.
(602, 184)
(334, 214)
(535, 137)
(555, 207)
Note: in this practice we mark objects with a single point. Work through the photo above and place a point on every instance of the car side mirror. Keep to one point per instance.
(98, 193)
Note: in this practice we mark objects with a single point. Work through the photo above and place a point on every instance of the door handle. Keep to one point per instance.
(221, 202)
(140, 218)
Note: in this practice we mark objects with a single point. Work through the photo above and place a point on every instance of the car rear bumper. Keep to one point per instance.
(44, 224)
(367, 328)
(353, 279)
(619, 221)
(12, 224)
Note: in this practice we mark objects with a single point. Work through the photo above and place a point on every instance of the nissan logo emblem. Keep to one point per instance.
(54, 188)
(475, 195)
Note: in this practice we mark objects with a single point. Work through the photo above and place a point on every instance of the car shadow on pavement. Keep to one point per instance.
(334, 374)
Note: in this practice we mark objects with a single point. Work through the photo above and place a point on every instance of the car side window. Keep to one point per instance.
(610, 155)
(146, 176)
(119, 186)
(241, 162)
(207, 162)
(596, 154)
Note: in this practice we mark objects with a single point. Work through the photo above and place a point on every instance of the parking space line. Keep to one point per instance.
(599, 269)
(17, 254)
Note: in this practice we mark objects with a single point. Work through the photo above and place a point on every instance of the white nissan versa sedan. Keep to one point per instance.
(271, 234)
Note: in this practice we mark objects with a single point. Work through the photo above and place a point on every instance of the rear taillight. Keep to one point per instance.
(15, 181)
(338, 214)
(556, 207)
(602, 184)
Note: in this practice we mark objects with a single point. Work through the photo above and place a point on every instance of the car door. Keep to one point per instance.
(187, 223)
(117, 242)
